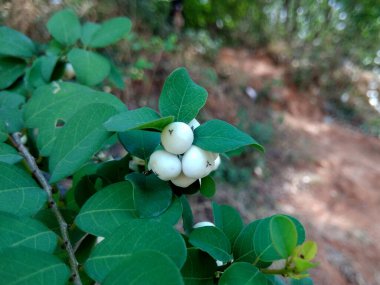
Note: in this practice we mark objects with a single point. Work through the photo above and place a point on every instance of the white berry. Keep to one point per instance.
(177, 137)
(203, 224)
(217, 162)
(197, 163)
(194, 124)
(183, 181)
(164, 164)
(69, 72)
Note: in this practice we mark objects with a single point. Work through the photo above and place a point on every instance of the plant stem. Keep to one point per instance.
(31, 162)
(274, 271)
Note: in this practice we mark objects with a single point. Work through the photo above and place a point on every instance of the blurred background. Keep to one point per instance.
(302, 77)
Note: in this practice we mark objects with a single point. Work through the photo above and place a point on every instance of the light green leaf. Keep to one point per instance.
(140, 143)
(145, 267)
(303, 281)
(90, 67)
(108, 33)
(107, 209)
(11, 111)
(243, 273)
(23, 231)
(10, 70)
(301, 232)
(208, 187)
(199, 268)
(213, 241)
(25, 266)
(58, 102)
(19, 193)
(131, 237)
(16, 44)
(181, 97)
(219, 136)
(8, 154)
(82, 136)
(65, 27)
(308, 250)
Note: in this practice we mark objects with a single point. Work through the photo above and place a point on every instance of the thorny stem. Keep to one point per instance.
(63, 226)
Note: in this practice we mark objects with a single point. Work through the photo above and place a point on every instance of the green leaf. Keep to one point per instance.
(308, 250)
(199, 268)
(58, 102)
(140, 143)
(82, 137)
(19, 193)
(33, 76)
(187, 215)
(213, 241)
(90, 67)
(142, 118)
(107, 209)
(116, 77)
(23, 231)
(8, 154)
(301, 232)
(243, 273)
(88, 31)
(3, 131)
(181, 97)
(303, 281)
(228, 220)
(302, 265)
(14, 43)
(131, 237)
(172, 214)
(64, 26)
(11, 110)
(219, 136)
(109, 32)
(10, 70)
(208, 187)
(48, 63)
(145, 267)
(23, 266)
(152, 196)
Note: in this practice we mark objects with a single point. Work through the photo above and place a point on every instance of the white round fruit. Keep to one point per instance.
(203, 224)
(69, 72)
(197, 163)
(194, 124)
(164, 164)
(177, 137)
(183, 181)
(217, 163)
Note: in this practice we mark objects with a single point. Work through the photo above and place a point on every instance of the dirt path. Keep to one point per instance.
(335, 192)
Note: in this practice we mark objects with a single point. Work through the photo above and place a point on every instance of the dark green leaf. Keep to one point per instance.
(243, 273)
(213, 241)
(22, 266)
(19, 193)
(187, 215)
(199, 268)
(181, 97)
(14, 43)
(90, 67)
(23, 231)
(219, 136)
(8, 154)
(301, 232)
(78, 141)
(11, 111)
(3, 131)
(116, 77)
(140, 143)
(64, 26)
(145, 267)
(208, 187)
(131, 237)
(172, 214)
(10, 70)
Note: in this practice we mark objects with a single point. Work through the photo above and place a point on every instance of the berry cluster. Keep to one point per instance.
(181, 162)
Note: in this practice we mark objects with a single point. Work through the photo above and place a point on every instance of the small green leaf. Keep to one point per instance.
(181, 97)
(88, 31)
(33, 76)
(109, 32)
(77, 142)
(48, 63)
(308, 250)
(131, 237)
(14, 43)
(243, 273)
(140, 143)
(116, 77)
(90, 67)
(213, 241)
(142, 118)
(10, 69)
(145, 267)
(199, 268)
(302, 265)
(65, 27)
(303, 281)
(208, 187)
(19, 193)
(152, 196)
(8, 154)
(21, 265)
(228, 220)
(219, 136)
(11, 111)
(23, 231)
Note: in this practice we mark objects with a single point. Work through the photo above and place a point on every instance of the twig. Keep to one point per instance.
(30, 160)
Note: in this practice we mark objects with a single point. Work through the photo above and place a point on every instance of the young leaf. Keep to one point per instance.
(181, 97)
(78, 141)
(23, 231)
(19, 193)
(90, 67)
(8, 154)
(11, 110)
(15, 44)
(10, 70)
(145, 267)
(213, 241)
(131, 237)
(243, 273)
(140, 143)
(219, 136)
(199, 268)
(65, 27)
(208, 187)
(21, 265)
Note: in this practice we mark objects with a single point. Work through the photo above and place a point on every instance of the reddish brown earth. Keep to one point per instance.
(333, 187)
